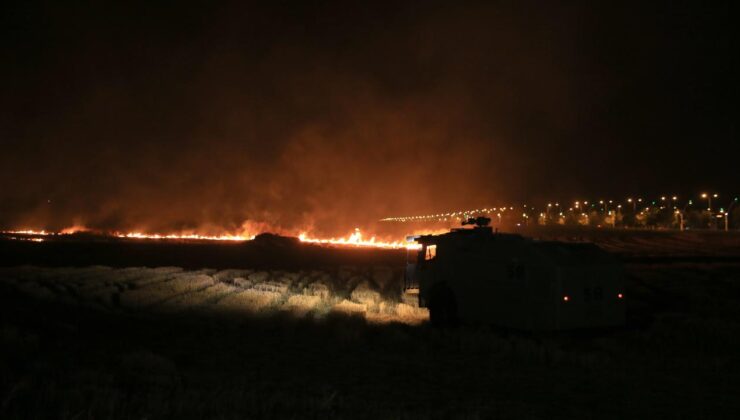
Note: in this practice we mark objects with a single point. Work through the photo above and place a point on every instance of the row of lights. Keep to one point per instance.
(462, 214)
(580, 205)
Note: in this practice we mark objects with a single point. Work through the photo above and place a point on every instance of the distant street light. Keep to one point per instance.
(682, 225)
(680, 220)
(727, 214)
(709, 200)
(634, 204)
(709, 207)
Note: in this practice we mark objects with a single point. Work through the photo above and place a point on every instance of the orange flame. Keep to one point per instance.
(139, 235)
(355, 239)
(73, 229)
(29, 232)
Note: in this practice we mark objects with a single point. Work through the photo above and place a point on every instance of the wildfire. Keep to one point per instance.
(73, 229)
(27, 235)
(28, 232)
(353, 240)
(139, 235)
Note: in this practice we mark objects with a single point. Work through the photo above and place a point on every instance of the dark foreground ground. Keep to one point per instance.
(337, 340)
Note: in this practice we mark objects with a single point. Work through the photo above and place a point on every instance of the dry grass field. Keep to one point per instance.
(342, 342)
(374, 293)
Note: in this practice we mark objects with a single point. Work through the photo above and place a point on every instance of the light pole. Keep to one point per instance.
(683, 212)
(709, 200)
(680, 220)
(727, 214)
(617, 212)
(634, 204)
(709, 206)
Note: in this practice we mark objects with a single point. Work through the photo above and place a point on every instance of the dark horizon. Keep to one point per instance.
(329, 116)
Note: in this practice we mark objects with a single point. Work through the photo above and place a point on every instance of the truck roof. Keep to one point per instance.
(559, 253)
(474, 234)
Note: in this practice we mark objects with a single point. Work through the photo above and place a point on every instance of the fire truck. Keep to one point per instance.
(478, 276)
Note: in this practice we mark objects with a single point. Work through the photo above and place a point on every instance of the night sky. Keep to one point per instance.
(330, 115)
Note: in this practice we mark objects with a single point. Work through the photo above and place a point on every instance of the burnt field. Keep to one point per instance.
(98, 328)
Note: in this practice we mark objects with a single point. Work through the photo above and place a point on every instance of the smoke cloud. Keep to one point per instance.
(327, 117)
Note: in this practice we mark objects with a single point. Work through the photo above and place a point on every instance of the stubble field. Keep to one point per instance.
(341, 340)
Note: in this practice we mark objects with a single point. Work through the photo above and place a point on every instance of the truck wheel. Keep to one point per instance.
(443, 307)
